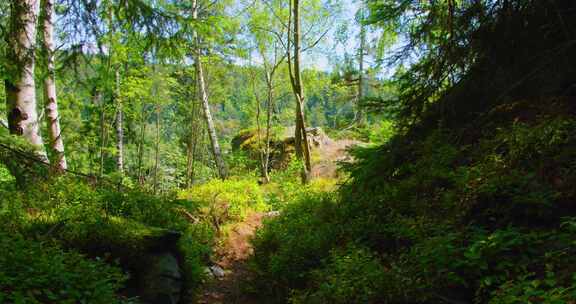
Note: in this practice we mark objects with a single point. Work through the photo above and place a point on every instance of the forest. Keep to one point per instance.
(288, 151)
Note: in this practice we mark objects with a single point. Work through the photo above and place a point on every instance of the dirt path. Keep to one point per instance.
(231, 257)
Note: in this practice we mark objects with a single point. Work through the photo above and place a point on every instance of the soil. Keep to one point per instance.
(231, 256)
(235, 247)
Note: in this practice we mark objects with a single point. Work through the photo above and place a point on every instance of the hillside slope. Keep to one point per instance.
(472, 202)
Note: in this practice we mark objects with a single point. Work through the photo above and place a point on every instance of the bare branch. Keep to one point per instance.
(316, 42)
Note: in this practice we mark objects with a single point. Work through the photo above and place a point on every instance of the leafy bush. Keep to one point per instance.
(295, 243)
(382, 132)
(115, 226)
(33, 272)
(223, 199)
(350, 276)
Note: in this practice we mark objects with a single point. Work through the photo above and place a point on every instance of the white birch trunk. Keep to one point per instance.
(222, 170)
(51, 106)
(21, 87)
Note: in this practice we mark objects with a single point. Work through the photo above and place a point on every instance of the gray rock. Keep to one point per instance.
(161, 283)
(272, 213)
(217, 271)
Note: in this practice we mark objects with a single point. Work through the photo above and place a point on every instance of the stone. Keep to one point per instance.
(161, 282)
(272, 213)
(217, 271)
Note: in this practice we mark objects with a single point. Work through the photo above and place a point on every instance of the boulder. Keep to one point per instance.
(161, 281)
(281, 147)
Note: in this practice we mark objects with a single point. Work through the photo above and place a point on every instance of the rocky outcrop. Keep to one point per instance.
(326, 151)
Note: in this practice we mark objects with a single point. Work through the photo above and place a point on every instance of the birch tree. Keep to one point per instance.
(56, 143)
(203, 95)
(20, 84)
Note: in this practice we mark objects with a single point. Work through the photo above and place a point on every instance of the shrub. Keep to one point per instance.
(104, 223)
(223, 199)
(352, 275)
(33, 272)
(295, 243)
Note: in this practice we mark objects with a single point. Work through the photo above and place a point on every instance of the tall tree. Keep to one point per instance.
(119, 123)
(300, 136)
(113, 57)
(56, 143)
(266, 28)
(360, 115)
(20, 83)
(203, 95)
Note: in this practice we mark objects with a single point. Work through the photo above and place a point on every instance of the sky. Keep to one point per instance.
(319, 58)
(329, 49)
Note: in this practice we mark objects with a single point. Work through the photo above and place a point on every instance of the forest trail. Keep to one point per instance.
(231, 256)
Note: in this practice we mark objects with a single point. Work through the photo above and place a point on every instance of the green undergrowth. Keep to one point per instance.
(463, 215)
(72, 243)
(226, 200)
(230, 201)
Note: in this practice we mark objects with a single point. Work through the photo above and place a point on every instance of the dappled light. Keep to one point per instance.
(297, 151)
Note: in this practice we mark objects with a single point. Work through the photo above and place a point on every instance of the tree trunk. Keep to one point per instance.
(157, 152)
(222, 170)
(263, 170)
(20, 86)
(269, 105)
(192, 140)
(51, 106)
(300, 136)
(119, 124)
(103, 131)
(187, 182)
(360, 115)
(141, 145)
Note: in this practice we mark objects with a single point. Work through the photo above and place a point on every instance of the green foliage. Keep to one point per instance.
(351, 276)
(286, 186)
(226, 199)
(103, 223)
(382, 132)
(34, 272)
(436, 220)
(294, 243)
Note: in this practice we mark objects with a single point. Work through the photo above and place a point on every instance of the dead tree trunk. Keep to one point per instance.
(98, 100)
(141, 144)
(157, 150)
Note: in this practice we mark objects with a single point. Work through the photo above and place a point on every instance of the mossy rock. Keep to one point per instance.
(150, 255)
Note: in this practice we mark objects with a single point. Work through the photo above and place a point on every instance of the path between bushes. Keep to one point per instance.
(231, 256)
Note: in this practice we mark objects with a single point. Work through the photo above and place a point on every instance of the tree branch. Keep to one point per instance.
(315, 42)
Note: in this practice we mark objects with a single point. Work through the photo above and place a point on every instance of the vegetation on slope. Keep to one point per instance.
(472, 200)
